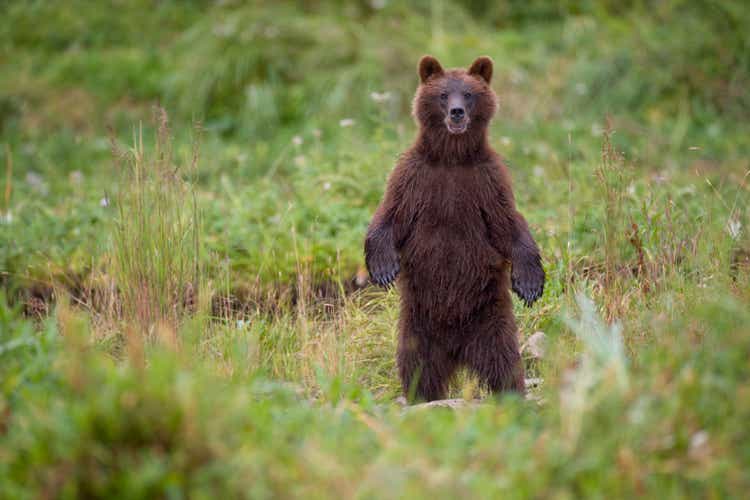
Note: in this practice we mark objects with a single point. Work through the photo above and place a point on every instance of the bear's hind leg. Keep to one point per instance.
(493, 352)
(425, 368)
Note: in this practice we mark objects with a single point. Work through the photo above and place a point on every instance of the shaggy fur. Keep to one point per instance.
(449, 229)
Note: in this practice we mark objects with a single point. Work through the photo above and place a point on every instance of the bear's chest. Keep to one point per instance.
(450, 198)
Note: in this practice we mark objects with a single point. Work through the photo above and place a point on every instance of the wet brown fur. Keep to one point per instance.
(448, 226)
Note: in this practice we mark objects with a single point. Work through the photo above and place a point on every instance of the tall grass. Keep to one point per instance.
(156, 238)
(611, 179)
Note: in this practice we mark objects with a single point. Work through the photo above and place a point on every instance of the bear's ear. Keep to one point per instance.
(429, 66)
(482, 67)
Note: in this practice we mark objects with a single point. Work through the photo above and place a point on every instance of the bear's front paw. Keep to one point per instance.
(383, 268)
(527, 281)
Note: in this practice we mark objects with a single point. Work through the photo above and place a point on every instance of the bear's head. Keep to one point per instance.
(456, 100)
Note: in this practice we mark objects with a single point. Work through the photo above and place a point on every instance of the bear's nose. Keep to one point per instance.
(457, 114)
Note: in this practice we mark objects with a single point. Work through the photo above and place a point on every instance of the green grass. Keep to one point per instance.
(201, 332)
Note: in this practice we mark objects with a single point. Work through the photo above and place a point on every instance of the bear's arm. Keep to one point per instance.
(527, 274)
(510, 236)
(381, 255)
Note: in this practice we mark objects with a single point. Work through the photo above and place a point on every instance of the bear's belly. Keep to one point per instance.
(450, 270)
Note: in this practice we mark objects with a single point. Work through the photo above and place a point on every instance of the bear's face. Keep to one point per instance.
(458, 100)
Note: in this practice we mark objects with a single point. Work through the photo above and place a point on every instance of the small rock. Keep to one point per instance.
(536, 345)
(458, 403)
(445, 403)
(362, 278)
(533, 382)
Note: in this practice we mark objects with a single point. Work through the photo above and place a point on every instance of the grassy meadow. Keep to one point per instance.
(184, 309)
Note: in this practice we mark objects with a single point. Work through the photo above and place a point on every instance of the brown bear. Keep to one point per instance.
(449, 228)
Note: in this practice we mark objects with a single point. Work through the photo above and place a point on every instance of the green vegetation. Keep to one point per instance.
(180, 303)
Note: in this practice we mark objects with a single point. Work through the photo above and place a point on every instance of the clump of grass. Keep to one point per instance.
(156, 237)
(612, 183)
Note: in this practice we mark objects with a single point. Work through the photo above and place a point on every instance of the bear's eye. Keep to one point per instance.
(443, 96)
(467, 95)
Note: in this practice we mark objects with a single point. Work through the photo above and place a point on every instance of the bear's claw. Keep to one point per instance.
(528, 283)
(384, 273)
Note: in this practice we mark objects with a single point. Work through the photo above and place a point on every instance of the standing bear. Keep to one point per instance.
(449, 228)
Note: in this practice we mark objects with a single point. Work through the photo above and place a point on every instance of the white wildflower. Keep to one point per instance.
(326, 186)
(542, 149)
(104, 202)
(346, 122)
(76, 177)
(734, 228)
(700, 447)
(660, 177)
(686, 190)
(37, 183)
(699, 439)
(224, 30)
(517, 76)
(380, 96)
(297, 140)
